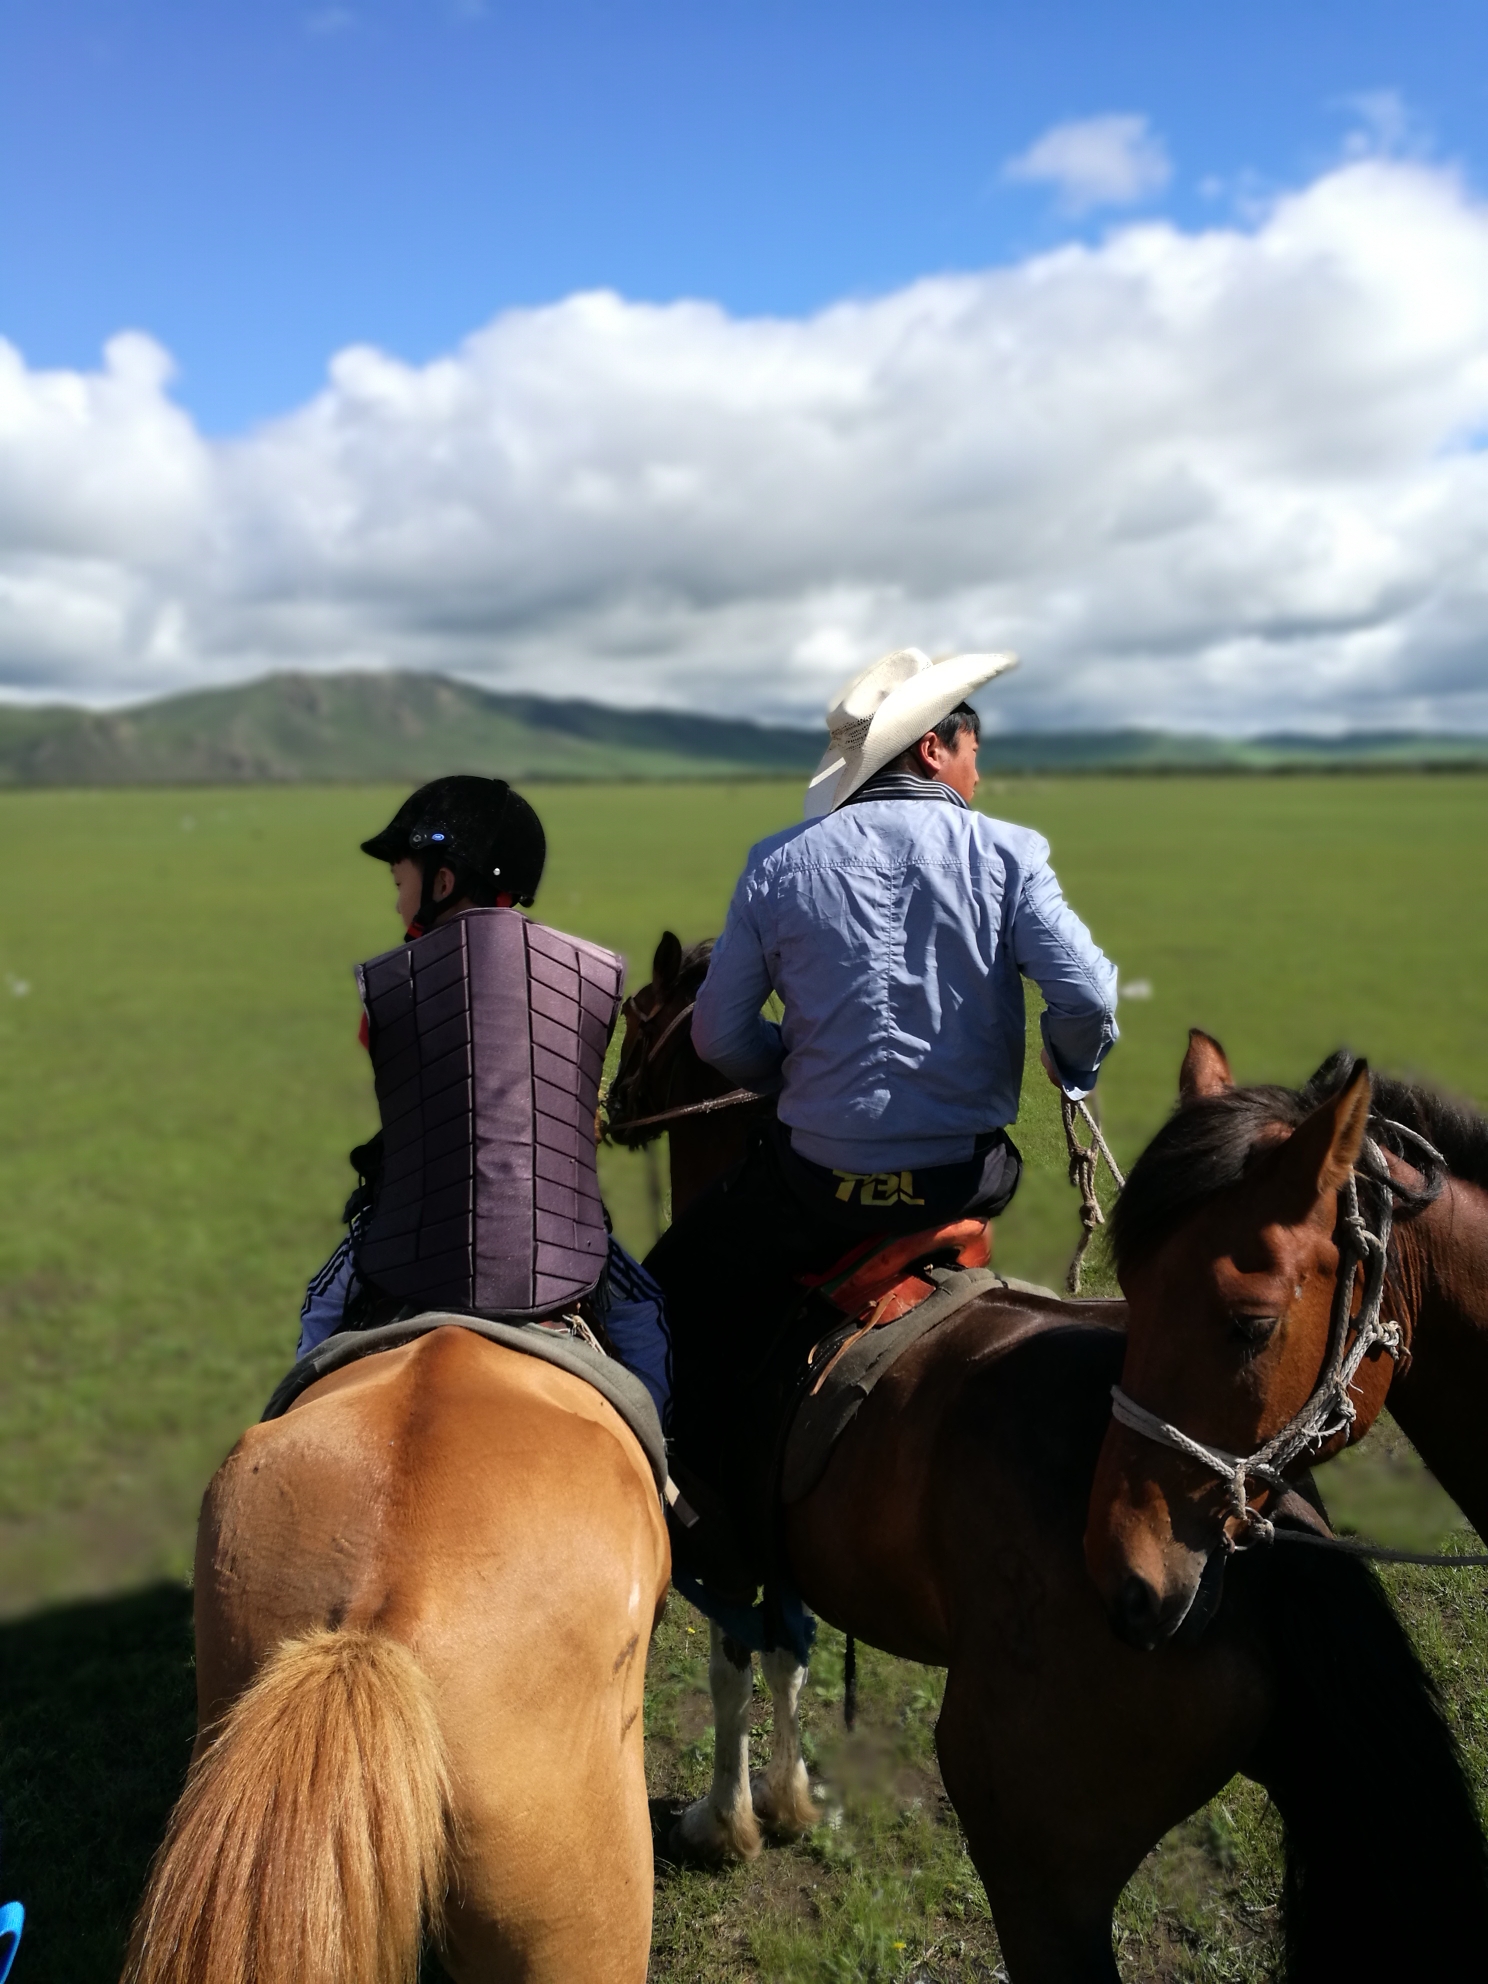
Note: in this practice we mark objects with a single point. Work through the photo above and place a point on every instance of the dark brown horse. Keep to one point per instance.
(947, 1529)
(1235, 1230)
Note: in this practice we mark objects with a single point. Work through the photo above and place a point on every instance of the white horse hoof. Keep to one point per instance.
(785, 1810)
(705, 1835)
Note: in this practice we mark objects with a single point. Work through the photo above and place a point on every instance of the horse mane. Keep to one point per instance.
(1207, 1145)
(1459, 1131)
(1201, 1149)
(695, 963)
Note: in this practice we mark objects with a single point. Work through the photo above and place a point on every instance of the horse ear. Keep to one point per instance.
(1205, 1069)
(667, 964)
(1325, 1149)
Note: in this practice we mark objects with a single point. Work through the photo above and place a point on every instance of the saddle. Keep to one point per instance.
(881, 1279)
(554, 1341)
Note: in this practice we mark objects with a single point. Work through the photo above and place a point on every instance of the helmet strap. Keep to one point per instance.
(430, 908)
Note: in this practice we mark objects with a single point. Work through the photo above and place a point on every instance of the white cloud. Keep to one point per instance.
(1385, 125)
(1110, 161)
(1235, 477)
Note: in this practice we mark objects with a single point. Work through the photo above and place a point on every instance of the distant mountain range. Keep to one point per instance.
(1189, 751)
(290, 728)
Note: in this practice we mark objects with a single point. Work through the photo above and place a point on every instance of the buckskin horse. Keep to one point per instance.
(947, 1529)
(423, 1602)
(1291, 1259)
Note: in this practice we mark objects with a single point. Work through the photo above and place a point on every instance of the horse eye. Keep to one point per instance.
(1253, 1330)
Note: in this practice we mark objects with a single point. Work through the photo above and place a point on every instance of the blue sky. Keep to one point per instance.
(259, 185)
(697, 354)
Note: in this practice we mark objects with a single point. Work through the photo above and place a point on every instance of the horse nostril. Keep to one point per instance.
(1137, 1612)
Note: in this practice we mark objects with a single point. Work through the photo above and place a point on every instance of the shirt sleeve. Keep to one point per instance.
(728, 1029)
(1054, 949)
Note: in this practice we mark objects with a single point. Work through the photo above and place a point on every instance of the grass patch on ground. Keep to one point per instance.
(180, 1083)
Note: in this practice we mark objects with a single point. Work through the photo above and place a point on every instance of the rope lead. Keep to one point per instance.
(1083, 1161)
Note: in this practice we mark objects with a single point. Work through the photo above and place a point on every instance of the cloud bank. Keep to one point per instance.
(1233, 479)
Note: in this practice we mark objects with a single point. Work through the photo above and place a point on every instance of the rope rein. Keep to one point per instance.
(1378, 1553)
(735, 1099)
(1083, 1161)
(1329, 1410)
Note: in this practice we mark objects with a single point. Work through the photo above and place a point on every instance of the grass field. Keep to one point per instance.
(179, 1084)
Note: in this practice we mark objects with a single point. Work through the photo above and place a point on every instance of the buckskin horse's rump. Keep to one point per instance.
(549, 1342)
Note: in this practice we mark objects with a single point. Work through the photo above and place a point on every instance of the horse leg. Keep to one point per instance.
(1068, 1757)
(1052, 1905)
(782, 1796)
(722, 1825)
(564, 1893)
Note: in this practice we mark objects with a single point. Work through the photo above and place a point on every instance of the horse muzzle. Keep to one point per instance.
(1173, 1601)
(1158, 1578)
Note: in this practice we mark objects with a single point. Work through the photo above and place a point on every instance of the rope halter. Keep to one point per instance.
(1329, 1409)
(627, 1081)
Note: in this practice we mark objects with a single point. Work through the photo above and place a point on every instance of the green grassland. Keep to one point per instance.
(180, 1082)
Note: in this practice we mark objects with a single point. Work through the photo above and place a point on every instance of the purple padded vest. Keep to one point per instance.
(488, 1038)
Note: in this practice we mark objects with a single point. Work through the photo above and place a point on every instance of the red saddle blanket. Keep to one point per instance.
(874, 1282)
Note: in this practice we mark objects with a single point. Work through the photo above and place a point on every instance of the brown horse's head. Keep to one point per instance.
(1225, 1249)
(658, 1068)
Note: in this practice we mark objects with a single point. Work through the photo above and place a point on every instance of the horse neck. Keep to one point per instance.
(703, 1149)
(1439, 1282)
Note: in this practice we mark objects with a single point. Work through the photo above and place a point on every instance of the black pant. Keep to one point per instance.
(729, 1268)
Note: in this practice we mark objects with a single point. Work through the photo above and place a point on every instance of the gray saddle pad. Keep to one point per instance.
(611, 1380)
(824, 1416)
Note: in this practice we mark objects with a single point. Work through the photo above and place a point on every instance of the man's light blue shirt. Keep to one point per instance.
(897, 934)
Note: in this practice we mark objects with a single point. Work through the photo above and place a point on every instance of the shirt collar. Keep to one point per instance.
(892, 783)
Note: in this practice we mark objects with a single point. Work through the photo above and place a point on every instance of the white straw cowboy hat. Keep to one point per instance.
(886, 709)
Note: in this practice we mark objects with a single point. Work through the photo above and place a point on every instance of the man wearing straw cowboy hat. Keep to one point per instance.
(897, 925)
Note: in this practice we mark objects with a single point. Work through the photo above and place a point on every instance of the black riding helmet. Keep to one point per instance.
(484, 833)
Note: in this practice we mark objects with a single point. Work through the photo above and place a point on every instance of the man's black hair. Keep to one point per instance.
(948, 730)
(962, 717)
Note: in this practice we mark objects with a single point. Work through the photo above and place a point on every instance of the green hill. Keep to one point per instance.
(336, 728)
(366, 727)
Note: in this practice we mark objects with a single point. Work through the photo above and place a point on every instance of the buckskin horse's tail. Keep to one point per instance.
(310, 1843)
(1387, 1872)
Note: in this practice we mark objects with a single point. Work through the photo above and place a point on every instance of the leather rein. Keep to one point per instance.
(735, 1099)
(1329, 1409)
